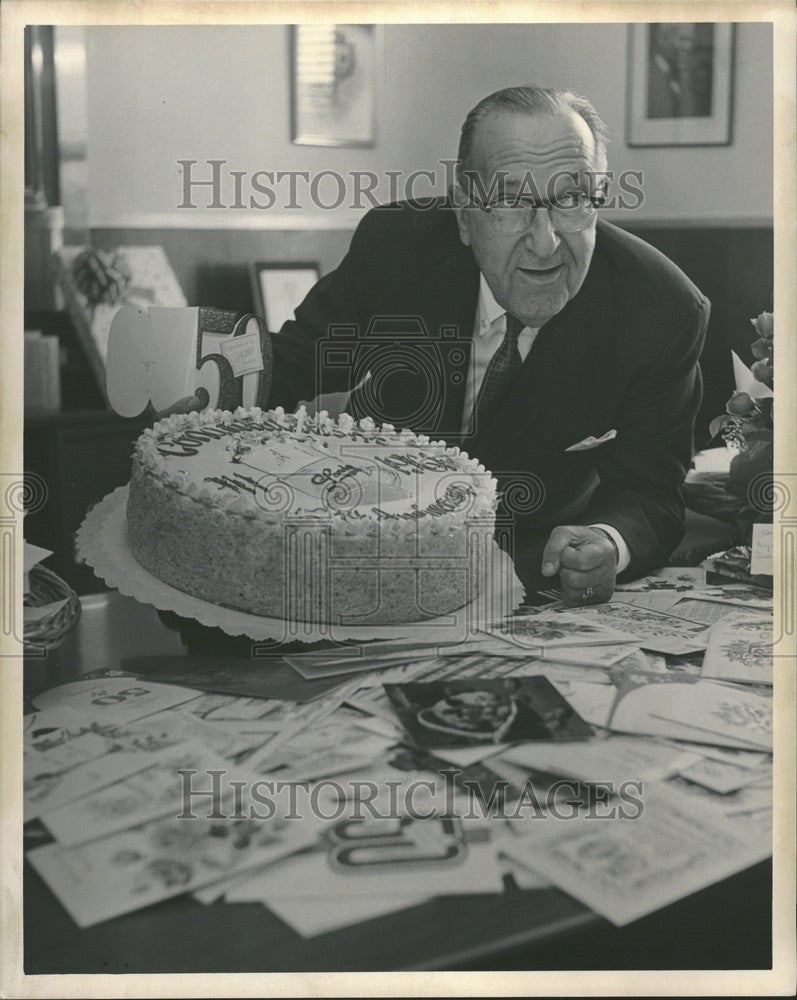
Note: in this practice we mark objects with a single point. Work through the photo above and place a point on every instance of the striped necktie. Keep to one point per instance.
(501, 371)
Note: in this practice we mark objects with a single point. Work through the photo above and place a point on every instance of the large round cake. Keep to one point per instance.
(310, 519)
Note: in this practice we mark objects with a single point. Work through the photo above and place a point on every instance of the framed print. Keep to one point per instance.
(277, 289)
(680, 84)
(334, 70)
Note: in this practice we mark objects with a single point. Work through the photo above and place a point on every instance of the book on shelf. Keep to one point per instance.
(42, 373)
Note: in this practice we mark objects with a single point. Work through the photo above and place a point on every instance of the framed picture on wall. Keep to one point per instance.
(277, 289)
(334, 70)
(680, 84)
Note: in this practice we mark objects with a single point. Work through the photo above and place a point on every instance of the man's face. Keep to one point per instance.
(532, 274)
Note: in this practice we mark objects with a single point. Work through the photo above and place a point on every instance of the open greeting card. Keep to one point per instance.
(162, 355)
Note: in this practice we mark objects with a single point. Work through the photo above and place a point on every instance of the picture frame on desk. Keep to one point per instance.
(277, 289)
(680, 84)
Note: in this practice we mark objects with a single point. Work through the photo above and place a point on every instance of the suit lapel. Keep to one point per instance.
(453, 310)
(561, 345)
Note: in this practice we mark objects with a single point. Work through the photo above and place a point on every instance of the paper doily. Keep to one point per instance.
(102, 543)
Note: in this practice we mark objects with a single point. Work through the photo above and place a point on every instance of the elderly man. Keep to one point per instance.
(557, 349)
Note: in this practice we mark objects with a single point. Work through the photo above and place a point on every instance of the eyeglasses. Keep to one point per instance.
(570, 213)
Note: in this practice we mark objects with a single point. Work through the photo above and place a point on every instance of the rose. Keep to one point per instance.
(764, 325)
(762, 348)
(763, 371)
(739, 404)
(746, 417)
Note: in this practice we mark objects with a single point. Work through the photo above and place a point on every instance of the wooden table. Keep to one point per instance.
(724, 926)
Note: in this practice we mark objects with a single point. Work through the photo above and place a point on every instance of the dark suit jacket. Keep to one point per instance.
(622, 355)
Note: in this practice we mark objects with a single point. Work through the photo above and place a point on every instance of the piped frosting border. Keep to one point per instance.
(151, 462)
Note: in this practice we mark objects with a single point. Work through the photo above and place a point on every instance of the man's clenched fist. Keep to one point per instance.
(586, 561)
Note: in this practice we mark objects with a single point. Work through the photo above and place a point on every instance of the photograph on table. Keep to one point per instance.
(461, 713)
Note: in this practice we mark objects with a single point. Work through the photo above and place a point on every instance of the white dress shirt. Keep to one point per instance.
(489, 331)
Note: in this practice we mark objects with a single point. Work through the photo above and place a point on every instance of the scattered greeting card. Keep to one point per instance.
(593, 702)
(47, 790)
(704, 612)
(396, 856)
(656, 600)
(146, 864)
(50, 728)
(556, 630)
(624, 870)
(617, 759)
(761, 555)
(669, 579)
(721, 776)
(115, 699)
(690, 708)
(78, 758)
(72, 753)
(736, 593)
(335, 746)
(740, 650)
(147, 795)
(649, 629)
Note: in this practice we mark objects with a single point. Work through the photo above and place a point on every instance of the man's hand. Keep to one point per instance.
(586, 561)
(187, 404)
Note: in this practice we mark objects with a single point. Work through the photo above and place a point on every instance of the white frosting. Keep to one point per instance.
(294, 466)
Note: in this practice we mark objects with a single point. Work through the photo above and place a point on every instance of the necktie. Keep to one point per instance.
(504, 366)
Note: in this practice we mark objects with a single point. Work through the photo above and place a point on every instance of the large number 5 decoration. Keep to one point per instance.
(227, 390)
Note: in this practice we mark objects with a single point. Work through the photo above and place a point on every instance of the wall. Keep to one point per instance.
(160, 94)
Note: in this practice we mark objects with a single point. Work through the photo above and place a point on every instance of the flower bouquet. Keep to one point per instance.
(747, 426)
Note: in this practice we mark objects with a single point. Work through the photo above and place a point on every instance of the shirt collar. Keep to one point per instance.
(488, 309)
